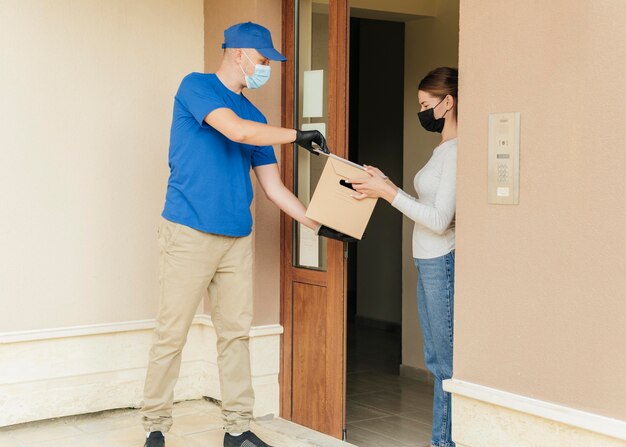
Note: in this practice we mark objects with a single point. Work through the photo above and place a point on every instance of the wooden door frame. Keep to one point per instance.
(334, 279)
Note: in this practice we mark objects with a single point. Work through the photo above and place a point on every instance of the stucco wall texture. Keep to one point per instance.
(218, 16)
(87, 93)
(541, 286)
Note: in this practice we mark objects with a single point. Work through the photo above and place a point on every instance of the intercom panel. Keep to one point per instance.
(503, 163)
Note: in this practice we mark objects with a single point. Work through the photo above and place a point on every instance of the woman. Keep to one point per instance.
(433, 212)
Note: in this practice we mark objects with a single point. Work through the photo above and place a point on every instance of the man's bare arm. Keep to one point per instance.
(275, 190)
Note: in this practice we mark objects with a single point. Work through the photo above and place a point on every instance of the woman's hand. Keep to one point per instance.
(376, 185)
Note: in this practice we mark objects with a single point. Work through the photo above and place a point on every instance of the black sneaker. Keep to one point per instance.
(156, 439)
(247, 439)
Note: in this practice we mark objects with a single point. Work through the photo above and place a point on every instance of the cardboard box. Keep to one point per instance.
(332, 203)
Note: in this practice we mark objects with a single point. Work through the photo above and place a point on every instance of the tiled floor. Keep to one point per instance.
(384, 409)
(197, 424)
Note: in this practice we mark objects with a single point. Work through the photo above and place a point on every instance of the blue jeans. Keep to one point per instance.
(435, 305)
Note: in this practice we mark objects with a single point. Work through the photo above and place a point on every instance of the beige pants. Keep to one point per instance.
(191, 262)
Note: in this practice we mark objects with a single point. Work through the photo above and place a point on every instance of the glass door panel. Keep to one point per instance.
(311, 110)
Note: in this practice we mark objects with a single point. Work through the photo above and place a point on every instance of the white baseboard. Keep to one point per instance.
(67, 371)
(486, 416)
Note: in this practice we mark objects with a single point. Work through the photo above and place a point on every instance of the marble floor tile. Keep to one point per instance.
(189, 424)
(7, 439)
(171, 440)
(282, 426)
(184, 408)
(302, 435)
(397, 428)
(360, 383)
(383, 408)
(44, 431)
(391, 402)
(357, 412)
(207, 438)
(366, 438)
(107, 421)
(132, 436)
(421, 415)
(198, 425)
(84, 440)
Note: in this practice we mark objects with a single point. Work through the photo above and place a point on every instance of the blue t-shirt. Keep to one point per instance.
(209, 187)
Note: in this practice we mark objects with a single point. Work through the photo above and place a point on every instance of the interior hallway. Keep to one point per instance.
(384, 409)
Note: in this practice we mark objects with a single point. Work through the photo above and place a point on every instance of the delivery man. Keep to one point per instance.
(217, 135)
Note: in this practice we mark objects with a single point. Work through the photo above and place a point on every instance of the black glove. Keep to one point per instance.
(333, 234)
(306, 138)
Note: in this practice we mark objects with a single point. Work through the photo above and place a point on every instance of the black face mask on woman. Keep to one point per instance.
(428, 121)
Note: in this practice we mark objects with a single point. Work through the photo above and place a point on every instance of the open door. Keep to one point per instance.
(315, 96)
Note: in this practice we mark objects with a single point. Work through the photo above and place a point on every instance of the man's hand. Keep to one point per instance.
(333, 234)
(306, 138)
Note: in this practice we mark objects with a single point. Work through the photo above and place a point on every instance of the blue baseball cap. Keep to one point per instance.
(251, 35)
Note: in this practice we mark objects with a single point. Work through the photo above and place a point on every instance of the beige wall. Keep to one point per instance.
(219, 15)
(429, 43)
(87, 90)
(540, 307)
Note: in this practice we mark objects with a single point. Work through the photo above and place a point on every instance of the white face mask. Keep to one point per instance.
(260, 76)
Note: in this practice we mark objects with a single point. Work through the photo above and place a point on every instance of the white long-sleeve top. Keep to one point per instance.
(434, 210)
